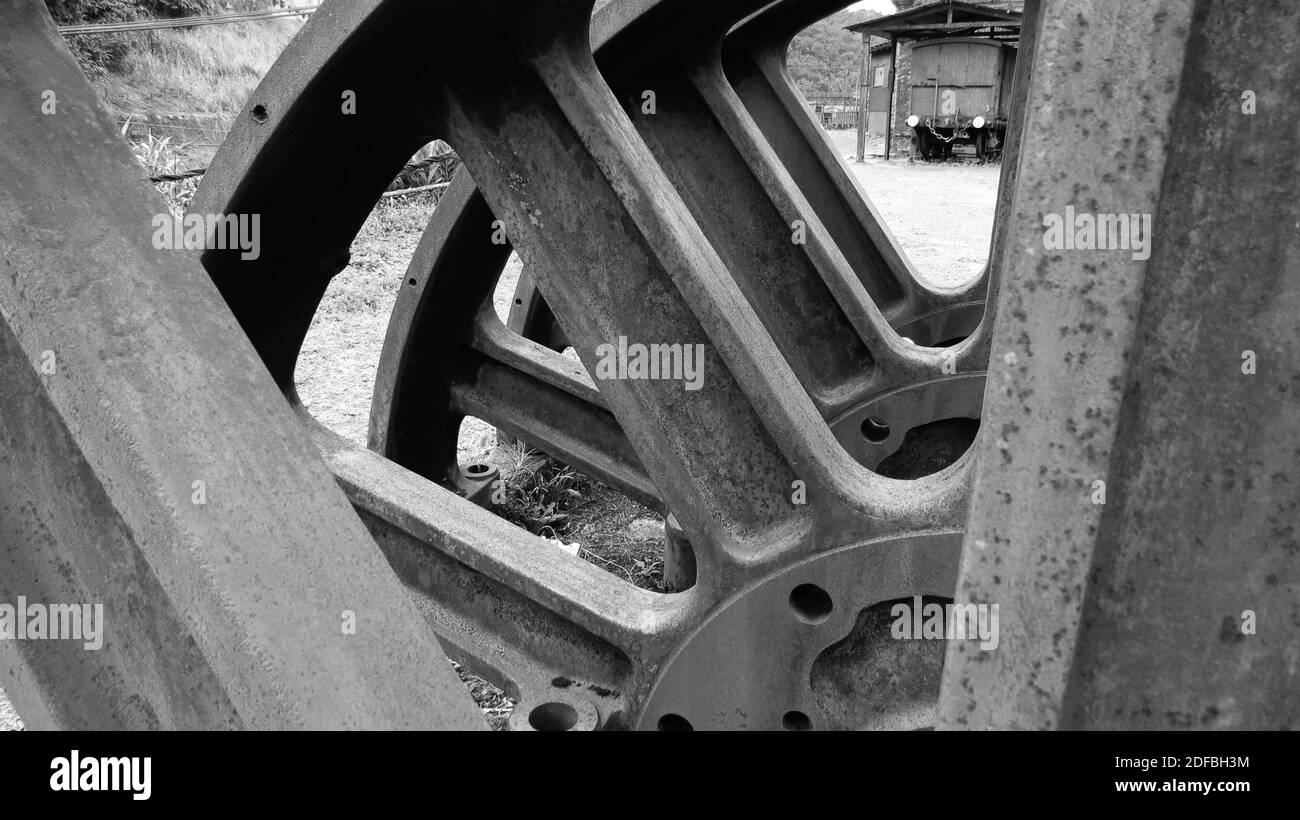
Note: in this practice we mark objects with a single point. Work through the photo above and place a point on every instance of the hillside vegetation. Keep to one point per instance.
(210, 70)
(198, 71)
(823, 59)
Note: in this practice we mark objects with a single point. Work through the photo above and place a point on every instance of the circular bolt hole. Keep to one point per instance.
(875, 430)
(478, 469)
(519, 301)
(259, 113)
(553, 717)
(811, 603)
(675, 723)
(413, 282)
(796, 722)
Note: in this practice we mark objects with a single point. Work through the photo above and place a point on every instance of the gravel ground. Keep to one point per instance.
(941, 214)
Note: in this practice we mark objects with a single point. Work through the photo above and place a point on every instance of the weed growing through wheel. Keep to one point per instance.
(538, 493)
(161, 157)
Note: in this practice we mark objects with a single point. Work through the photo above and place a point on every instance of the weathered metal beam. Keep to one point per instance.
(149, 465)
(579, 431)
(727, 490)
(1136, 506)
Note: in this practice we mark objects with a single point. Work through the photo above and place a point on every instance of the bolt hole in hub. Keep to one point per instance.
(553, 717)
(811, 603)
(675, 723)
(917, 431)
(875, 430)
(475, 481)
(796, 721)
(259, 114)
(852, 671)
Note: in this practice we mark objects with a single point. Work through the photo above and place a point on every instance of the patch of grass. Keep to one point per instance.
(202, 71)
(380, 255)
(639, 563)
(541, 493)
(623, 538)
(550, 499)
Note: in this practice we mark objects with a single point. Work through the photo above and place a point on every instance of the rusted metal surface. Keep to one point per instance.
(149, 465)
(715, 154)
(447, 356)
(1174, 603)
(758, 651)
(755, 61)
(817, 477)
(609, 223)
(696, 140)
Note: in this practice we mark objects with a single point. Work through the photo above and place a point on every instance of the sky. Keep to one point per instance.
(882, 6)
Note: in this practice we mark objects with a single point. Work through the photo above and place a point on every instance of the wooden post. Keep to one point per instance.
(864, 94)
(889, 114)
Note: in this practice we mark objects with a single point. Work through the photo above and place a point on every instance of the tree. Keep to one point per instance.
(823, 59)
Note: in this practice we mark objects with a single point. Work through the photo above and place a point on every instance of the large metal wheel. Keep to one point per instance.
(616, 207)
(775, 468)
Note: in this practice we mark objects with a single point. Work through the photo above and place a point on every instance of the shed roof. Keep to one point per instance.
(944, 19)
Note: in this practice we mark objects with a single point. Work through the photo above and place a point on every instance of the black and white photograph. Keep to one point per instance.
(714, 366)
